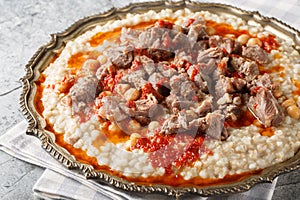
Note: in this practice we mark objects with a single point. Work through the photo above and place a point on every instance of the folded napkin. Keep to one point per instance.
(57, 182)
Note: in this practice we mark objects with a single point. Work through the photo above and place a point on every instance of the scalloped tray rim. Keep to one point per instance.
(58, 40)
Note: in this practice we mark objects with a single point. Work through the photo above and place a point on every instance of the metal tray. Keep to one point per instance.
(46, 53)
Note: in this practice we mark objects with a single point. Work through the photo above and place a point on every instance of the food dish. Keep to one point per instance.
(126, 116)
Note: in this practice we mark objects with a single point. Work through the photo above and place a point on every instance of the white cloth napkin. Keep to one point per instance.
(57, 182)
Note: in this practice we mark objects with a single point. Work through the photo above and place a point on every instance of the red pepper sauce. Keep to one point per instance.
(181, 149)
(269, 43)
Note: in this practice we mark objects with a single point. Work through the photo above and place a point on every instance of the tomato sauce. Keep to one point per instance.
(182, 150)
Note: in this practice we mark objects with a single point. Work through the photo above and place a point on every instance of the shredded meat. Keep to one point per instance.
(187, 80)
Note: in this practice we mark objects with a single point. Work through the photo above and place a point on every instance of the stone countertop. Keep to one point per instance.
(25, 26)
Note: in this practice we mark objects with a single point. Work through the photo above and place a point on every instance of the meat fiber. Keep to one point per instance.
(265, 107)
(256, 53)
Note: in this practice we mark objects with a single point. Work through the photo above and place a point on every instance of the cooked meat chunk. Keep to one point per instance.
(121, 88)
(130, 35)
(175, 83)
(196, 32)
(223, 43)
(256, 53)
(212, 125)
(140, 83)
(208, 61)
(195, 76)
(224, 85)
(188, 90)
(165, 69)
(200, 46)
(155, 78)
(179, 28)
(236, 62)
(225, 100)
(265, 108)
(83, 93)
(230, 45)
(250, 69)
(179, 123)
(223, 68)
(121, 57)
(137, 77)
(160, 54)
(144, 105)
(181, 41)
(176, 103)
(215, 123)
(113, 110)
(183, 87)
(148, 64)
(215, 41)
(171, 125)
(233, 112)
(265, 81)
(238, 83)
(205, 106)
(245, 66)
(209, 55)
(200, 124)
(143, 110)
(148, 37)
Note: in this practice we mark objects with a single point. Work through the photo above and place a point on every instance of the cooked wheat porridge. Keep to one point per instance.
(191, 96)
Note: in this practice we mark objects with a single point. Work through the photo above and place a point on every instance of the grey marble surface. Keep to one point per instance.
(25, 26)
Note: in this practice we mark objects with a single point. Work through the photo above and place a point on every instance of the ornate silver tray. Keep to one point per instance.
(46, 53)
